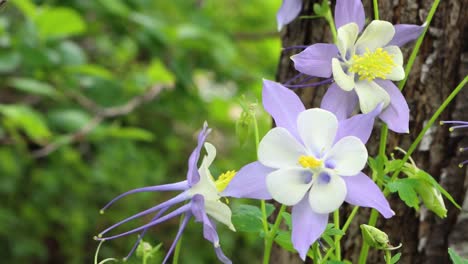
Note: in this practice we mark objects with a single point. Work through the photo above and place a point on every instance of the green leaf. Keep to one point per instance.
(9, 61)
(269, 208)
(92, 70)
(28, 120)
(34, 87)
(406, 191)
(59, 22)
(332, 231)
(287, 219)
(283, 239)
(116, 7)
(158, 73)
(130, 133)
(456, 259)
(395, 258)
(27, 7)
(247, 218)
(393, 165)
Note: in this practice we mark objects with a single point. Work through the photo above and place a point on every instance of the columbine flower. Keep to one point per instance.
(288, 12)
(363, 65)
(204, 203)
(312, 162)
(458, 124)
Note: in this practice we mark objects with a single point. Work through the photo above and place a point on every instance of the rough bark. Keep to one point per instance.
(440, 66)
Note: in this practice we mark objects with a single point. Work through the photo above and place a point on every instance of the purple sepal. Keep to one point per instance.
(396, 115)
(339, 101)
(288, 12)
(360, 125)
(405, 33)
(249, 182)
(307, 226)
(283, 105)
(349, 11)
(179, 234)
(362, 191)
(209, 227)
(316, 60)
(192, 174)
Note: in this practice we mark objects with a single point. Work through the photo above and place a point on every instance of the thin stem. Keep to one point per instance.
(175, 259)
(350, 219)
(270, 237)
(331, 22)
(365, 247)
(256, 133)
(388, 257)
(336, 220)
(383, 141)
(417, 46)
(376, 10)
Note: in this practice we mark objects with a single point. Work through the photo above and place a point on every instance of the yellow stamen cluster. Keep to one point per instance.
(371, 65)
(224, 179)
(309, 162)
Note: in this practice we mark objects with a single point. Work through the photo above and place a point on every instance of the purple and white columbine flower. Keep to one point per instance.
(288, 12)
(363, 64)
(204, 203)
(310, 161)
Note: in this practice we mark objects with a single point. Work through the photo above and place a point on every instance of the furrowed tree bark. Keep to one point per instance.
(440, 66)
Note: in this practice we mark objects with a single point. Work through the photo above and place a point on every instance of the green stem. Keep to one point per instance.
(270, 236)
(388, 257)
(417, 46)
(331, 22)
(336, 220)
(365, 247)
(376, 10)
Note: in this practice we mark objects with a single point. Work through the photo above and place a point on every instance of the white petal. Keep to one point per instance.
(348, 155)
(376, 35)
(220, 212)
(210, 154)
(344, 81)
(327, 197)
(279, 149)
(317, 128)
(288, 186)
(397, 55)
(206, 186)
(397, 74)
(346, 37)
(370, 95)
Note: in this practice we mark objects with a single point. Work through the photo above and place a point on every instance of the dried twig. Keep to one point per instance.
(101, 113)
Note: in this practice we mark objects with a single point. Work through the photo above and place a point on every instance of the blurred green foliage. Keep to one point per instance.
(63, 63)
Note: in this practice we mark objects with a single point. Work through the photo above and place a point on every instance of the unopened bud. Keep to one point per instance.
(374, 237)
(432, 199)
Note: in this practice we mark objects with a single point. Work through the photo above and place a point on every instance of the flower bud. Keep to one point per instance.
(432, 199)
(374, 237)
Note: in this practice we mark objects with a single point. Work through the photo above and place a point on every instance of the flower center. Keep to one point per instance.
(309, 162)
(224, 179)
(371, 65)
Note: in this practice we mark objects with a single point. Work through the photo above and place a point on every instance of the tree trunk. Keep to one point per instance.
(440, 66)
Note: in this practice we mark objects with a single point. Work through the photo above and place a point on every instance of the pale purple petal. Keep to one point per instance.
(349, 11)
(178, 186)
(405, 33)
(359, 126)
(339, 102)
(249, 182)
(170, 215)
(178, 235)
(209, 227)
(283, 105)
(192, 174)
(307, 226)
(288, 12)
(362, 191)
(396, 115)
(178, 199)
(316, 60)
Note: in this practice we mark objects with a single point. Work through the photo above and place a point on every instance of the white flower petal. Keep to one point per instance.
(279, 149)
(288, 186)
(348, 156)
(346, 37)
(344, 81)
(397, 74)
(317, 128)
(206, 186)
(325, 197)
(210, 154)
(376, 35)
(219, 211)
(397, 55)
(370, 95)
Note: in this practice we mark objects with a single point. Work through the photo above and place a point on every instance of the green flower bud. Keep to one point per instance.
(143, 249)
(374, 237)
(432, 199)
